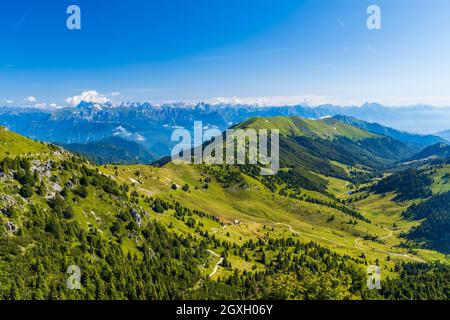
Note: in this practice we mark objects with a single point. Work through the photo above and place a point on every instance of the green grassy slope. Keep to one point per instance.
(328, 128)
(66, 211)
(330, 139)
(72, 214)
(14, 144)
(257, 207)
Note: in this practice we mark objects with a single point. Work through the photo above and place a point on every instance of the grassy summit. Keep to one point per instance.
(327, 128)
(14, 144)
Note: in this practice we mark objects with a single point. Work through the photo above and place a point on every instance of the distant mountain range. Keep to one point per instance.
(151, 126)
(417, 140)
(445, 135)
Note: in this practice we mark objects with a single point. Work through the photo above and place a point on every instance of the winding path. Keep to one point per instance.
(216, 267)
(401, 255)
(310, 235)
(214, 230)
(358, 244)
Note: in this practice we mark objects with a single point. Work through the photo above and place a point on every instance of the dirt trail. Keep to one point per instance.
(214, 230)
(358, 244)
(216, 267)
(311, 235)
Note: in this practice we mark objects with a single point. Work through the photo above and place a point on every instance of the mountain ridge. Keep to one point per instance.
(433, 152)
(445, 135)
(418, 140)
(152, 126)
(154, 227)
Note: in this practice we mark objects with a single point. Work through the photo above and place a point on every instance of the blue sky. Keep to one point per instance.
(268, 51)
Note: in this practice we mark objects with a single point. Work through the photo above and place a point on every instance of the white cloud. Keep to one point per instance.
(124, 133)
(9, 101)
(115, 94)
(88, 96)
(309, 100)
(31, 99)
(139, 137)
(40, 105)
(121, 131)
(52, 105)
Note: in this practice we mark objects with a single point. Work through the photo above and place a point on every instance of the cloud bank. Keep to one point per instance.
(88, 96)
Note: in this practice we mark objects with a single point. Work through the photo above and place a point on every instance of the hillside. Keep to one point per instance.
(163, 230)
(309, 174)
(327, 128)
(73, 215)
(414, 140)
(435, 230)
(14, 144)
(112, 150)
(330, 140)
(408, 185)
(434, 152)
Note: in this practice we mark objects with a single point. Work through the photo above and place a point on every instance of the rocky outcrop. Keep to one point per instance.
(137, 217)
(11, 227)
(6, 202)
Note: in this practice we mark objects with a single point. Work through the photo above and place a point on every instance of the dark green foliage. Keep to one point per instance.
(26, 191)
(344, 209)
(107, 273)
(68, 212)
(297, 179)
(295, 271)
(122, 257)
(313, 155)
(160, 206)
(435, 230)
(94, 178)
(226, 175)
(54, 228)
(82, 191)
(436, 151)
(446, 178)
(418, 281)
(41, 190)
(34, 261)
(386, 148)
(409, 184)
